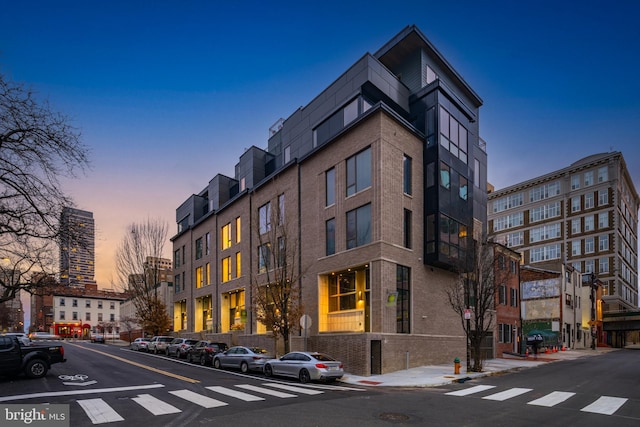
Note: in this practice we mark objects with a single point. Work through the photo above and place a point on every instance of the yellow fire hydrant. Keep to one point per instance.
(456, 366)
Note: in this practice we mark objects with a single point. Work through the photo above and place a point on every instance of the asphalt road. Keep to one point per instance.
(109, 385)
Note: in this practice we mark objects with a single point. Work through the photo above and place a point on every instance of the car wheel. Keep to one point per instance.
(268, 371)
(216, 364)
(189, 358)
(36, 368)
(304, 376)
(166, 353)
(203, 360)
(244, 367)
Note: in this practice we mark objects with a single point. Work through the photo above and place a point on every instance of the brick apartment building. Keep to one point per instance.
(381, 182)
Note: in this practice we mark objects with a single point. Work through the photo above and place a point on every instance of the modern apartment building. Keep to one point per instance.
(381, 183)
(77, 249)
(585, 216)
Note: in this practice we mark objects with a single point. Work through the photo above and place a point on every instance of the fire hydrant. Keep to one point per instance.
(456, 366)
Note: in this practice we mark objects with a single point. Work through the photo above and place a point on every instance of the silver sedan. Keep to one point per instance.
(243, 358)
(306, 366)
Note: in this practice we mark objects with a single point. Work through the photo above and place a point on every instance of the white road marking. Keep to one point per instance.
(99, 412)
(508, 394)
(235, 393)
(294, 389)
(77, 392)
(605, 405)
(198, 399)
(470, 390)
(552, 399)
(155, 405)
(266, 391)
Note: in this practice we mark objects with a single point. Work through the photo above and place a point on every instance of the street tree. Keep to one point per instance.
(139, 271)
(472, 296)
(38, 147)
(276, 293)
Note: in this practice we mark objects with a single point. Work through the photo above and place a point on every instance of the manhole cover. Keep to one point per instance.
(393, 416)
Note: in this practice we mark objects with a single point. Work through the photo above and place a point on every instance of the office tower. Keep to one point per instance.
(77, 249)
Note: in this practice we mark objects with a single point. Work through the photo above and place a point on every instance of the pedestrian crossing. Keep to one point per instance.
(100, 412)
(606, 405)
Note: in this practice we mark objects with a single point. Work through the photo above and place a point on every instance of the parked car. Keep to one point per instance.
(179, 347)
(203, 351)
(139, 344)
(306, 366)
(158, 344)
(243, 358)
(43, 336)
(97, 338)
(22, 337)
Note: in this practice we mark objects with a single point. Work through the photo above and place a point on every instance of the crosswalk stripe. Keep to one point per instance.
(508, 394)
(295, 389)
(155, 405)
(552, 399)
(265, 391)
(235, 393)
(99, 412)
(470, 390)
(605, 405)
(198, 399)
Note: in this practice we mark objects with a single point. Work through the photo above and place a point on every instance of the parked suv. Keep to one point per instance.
(158, 344)
(203, 351)
(179, 347)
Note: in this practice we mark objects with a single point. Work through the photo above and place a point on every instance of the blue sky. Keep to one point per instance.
(169, 93)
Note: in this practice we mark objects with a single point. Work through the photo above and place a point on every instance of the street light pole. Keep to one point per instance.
(593, 311)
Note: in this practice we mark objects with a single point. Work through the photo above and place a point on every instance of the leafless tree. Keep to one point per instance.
(138, 269)
(37, 147)
(276, 293)
(472, 295)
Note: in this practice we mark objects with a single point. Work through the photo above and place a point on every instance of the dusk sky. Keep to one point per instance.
(169, 93)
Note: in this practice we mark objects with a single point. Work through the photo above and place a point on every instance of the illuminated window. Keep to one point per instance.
(238, 230)
(199, 277)
(207, 274)
(226, 269)
(226, 236)
(238, 264)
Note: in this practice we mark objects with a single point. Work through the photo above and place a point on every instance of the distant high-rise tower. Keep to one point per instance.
(77, 249)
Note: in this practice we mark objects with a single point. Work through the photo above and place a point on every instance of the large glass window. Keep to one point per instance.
(445, 175)
(330, 236)
(453, 136)
(176, 258)
(342, 291)
(207, 244)
(264, 214)
(359, 172)
(359, 226)
(330, 181)
(603, 174)
(603, 242)
(281, 209)
(403, 306)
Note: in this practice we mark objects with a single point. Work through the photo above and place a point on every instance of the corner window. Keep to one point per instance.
(445, 175)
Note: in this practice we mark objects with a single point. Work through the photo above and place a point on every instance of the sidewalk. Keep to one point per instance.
(437, 375)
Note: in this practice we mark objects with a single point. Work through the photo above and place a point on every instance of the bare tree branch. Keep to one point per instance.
(138, 267)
